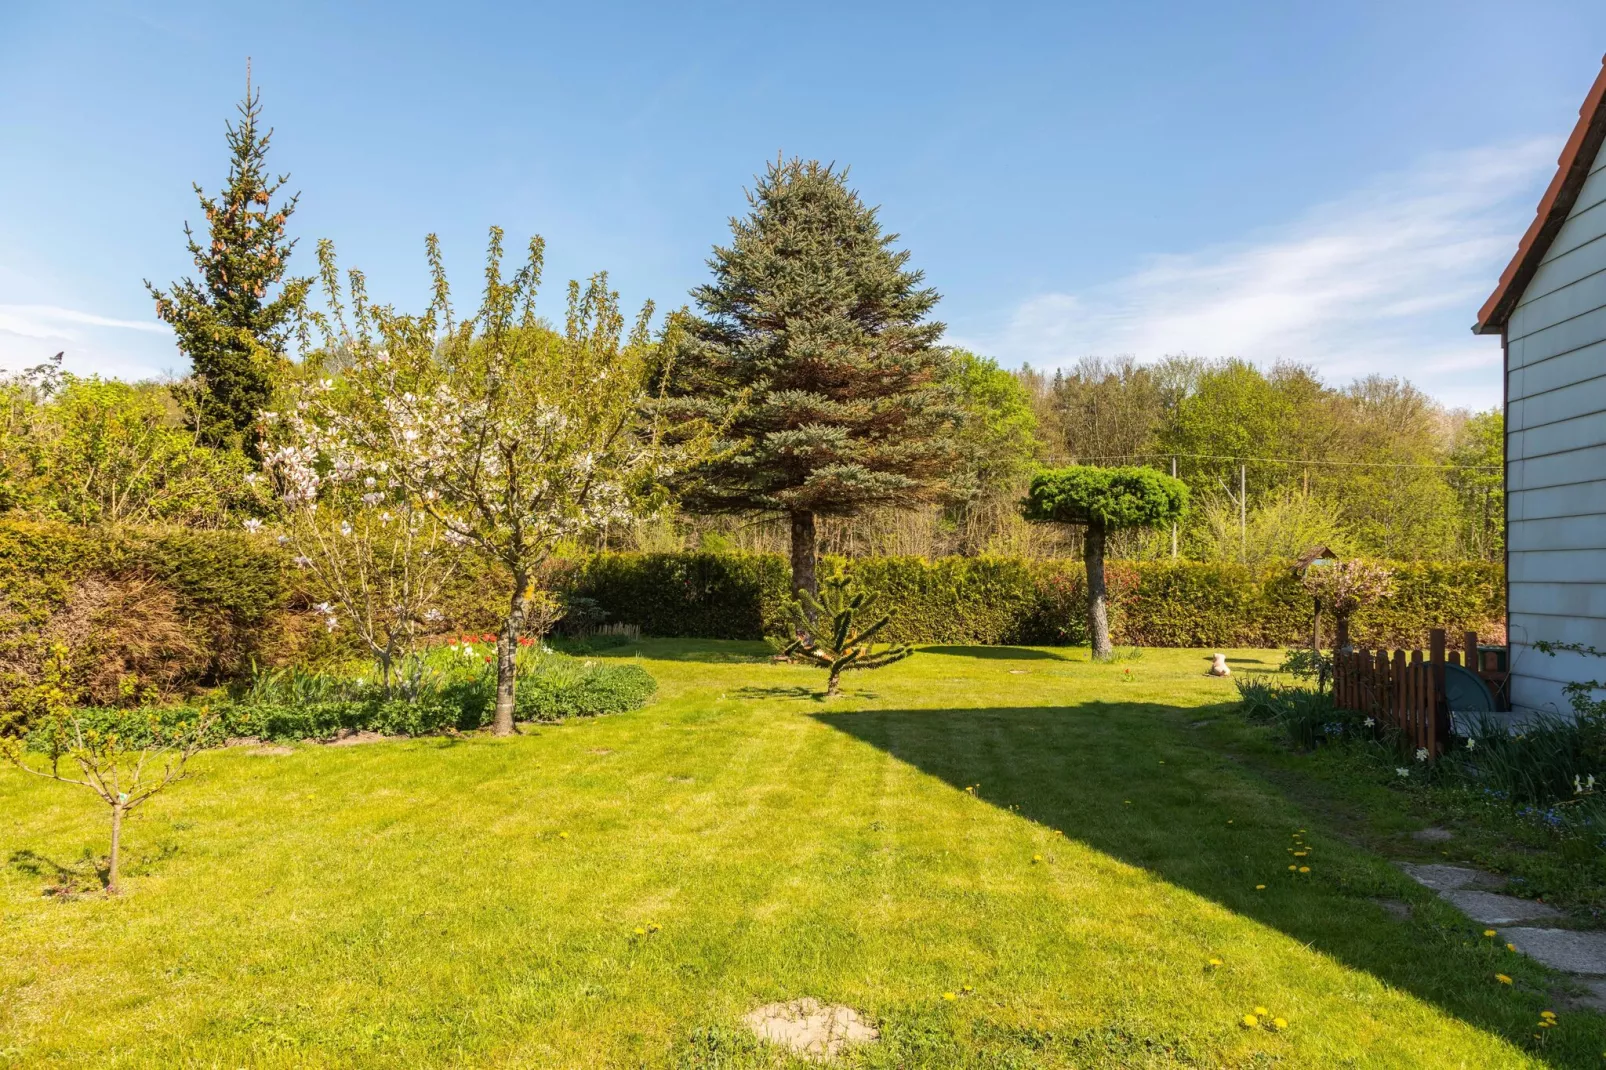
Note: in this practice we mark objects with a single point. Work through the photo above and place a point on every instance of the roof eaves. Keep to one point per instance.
(1571, 171)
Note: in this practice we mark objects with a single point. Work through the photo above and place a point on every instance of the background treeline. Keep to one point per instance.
(1376, 468)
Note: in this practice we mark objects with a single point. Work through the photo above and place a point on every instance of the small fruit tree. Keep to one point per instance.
(124, 763)
(511, 435)
(830, 635)
(1103, 500)
(1345, 587)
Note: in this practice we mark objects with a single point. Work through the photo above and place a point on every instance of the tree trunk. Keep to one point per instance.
(507, 651)
(1098, 613)
(1316, 628)
(833, 683)
(113, 887)
(1341, 640)
(803, 577)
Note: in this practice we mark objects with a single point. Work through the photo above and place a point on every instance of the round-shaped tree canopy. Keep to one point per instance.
(1112, 497)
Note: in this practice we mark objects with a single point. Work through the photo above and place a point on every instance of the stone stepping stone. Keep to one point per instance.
(1433, 835)
(1561, 949)
(1442, 878)
(1492, 909)
(1594, 997)
(817, 1031)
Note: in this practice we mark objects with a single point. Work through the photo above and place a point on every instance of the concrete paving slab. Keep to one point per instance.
(1561, 949)
(1492, 909)
(1442, 878)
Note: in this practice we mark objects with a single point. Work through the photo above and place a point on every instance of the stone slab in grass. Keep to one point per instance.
(815, 1030)
(1561, 949)
(1442, 878)
(1433, 835)
(1492, 909)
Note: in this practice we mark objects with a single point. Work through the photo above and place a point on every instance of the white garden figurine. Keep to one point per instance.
(1218, 665)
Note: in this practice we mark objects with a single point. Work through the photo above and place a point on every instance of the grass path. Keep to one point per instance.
(475, 902)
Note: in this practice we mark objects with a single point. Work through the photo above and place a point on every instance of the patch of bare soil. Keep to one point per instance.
(817, 1031)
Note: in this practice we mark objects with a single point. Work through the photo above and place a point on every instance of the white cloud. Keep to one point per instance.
(1385, 280)
(105, 345)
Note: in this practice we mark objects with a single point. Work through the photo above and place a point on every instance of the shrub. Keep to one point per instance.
(1306, 716)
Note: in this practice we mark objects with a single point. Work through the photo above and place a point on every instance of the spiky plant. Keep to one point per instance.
(829, 635)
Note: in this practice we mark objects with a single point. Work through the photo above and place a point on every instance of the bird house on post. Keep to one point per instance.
(1315, 557)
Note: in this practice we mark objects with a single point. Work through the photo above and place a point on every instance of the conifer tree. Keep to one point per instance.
(814, 351)
(227, 323)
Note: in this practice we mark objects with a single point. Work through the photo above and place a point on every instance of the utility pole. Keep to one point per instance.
(1174, 523)
(1243, 515)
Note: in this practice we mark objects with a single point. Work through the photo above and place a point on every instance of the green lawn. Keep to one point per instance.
(475, 902)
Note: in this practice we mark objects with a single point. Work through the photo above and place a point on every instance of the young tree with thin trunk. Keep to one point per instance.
(233, 330)
(1104, 500)
(124, 768)
(814, 350)
(830, 632)
(512, 436)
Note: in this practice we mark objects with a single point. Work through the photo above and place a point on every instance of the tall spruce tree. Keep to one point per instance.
(814, 351)
(233, 332)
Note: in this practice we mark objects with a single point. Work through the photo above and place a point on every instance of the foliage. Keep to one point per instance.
(375, 557)
(1103, 500)
(1343, 587)
(991, 600)
(1306, 716)
(143, 612)
(96, 451)
(830, 632)
(123, 773)
(815, 353)
(513, 437)
(1111, 498)
(233, 333)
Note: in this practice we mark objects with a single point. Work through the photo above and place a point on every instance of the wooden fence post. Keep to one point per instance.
(1438, 706)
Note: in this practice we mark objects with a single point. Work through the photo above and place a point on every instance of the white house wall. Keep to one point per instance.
(1556, 458)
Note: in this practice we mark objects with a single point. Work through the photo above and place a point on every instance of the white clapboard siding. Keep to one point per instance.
(1556, 458)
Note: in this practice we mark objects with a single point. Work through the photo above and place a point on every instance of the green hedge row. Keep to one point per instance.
(987, 600)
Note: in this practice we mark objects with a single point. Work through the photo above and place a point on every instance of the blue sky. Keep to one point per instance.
(1337, 184)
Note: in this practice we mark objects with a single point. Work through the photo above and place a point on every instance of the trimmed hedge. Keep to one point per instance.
(988, 600)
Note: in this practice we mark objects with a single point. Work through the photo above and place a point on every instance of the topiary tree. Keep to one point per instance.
(828, 633)
(1103, 500)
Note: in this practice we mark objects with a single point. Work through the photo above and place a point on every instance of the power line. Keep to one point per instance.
(1292, 461)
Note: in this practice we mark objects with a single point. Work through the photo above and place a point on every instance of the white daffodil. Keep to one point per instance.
(1421, 754)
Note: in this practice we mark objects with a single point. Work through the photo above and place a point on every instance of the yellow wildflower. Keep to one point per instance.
(1292, 868)
(640, 931)
(1260, 887)
(1279, 1023)
(1511, 947)
(1488, 932)
(1250, 1021)
(1547, 1014)
(1502, 978)
(1215, 962)
(1304, 869)
(1262, 1011)
(949, 995)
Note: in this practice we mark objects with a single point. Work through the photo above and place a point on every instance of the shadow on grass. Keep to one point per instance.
(1130, 781)
(66, 880)
(995, 653)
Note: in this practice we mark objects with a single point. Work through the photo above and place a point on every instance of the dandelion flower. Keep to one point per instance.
(1502, 978)
(1260, 887)
(1279, 1023)
(1547, 1014)
(1304, 869)
(949, 995)
(967, 990)
(1215, 962)
(640, 931)
(563, 835)
(1488, 932)
(1250, 1021)
(1262, 1011)
(1292, 868)
(1036, 859)
(652, 926)
(1511, 947)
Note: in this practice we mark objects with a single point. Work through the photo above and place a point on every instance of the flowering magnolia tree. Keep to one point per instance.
(374, 556)
(1344, 587)
(509, 435)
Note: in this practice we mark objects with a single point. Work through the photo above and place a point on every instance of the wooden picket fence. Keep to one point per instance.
(1405, 688)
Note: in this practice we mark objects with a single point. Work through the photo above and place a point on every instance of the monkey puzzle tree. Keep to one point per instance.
(226, 323)
(814, 352)
(830, 634)
(1103, 500)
